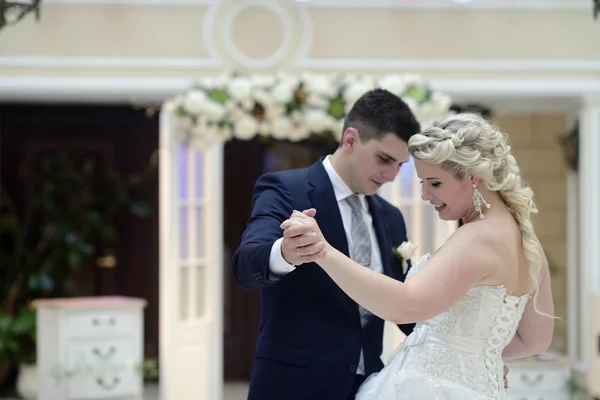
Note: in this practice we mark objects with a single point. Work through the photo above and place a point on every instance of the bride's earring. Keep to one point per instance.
(477, 200)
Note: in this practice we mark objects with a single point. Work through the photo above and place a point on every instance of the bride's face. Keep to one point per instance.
(451, 197)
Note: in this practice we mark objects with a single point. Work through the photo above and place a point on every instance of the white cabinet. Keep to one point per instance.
(90, 348)
(533, 379)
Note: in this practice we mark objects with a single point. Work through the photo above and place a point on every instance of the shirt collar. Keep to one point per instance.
(340, 188)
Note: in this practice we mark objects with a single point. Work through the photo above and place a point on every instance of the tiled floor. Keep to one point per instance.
(232, 391)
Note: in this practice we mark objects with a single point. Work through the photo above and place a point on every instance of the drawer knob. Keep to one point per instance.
(108, 385)
(532, 382)
(112, 350)
(111, 321)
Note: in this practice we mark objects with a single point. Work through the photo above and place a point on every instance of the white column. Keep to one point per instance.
(589, 235)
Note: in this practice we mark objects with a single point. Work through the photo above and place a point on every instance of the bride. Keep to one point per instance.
(483, 297)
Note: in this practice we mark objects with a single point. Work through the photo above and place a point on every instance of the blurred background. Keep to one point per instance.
(132, 132)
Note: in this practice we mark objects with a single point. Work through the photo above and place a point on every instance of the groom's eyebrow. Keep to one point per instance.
(391, 158)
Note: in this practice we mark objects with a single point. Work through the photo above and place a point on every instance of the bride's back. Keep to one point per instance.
(462, 347)
(509, 266)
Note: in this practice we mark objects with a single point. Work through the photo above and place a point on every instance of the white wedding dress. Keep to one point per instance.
(456, 355)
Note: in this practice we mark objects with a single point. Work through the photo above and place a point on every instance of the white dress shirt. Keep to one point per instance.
(278, 265)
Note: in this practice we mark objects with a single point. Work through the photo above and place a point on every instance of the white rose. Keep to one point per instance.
(406, 250)
(441, 103)
(282, 127)
(235, 112)
(264, 129)
(317, 120)
(193, 101)
(282, 93)
(225, 133)
(413, 79)
(315, 100)
(248, 104)
(213, 111)
(412, 103)
(199, 128)
(274, 111)
(354, 91)
(296, 116)
(338, 129)
(299, 133)
(393, 83)
(245, 127)
(321, 85)
(261, 96)
(239, 88)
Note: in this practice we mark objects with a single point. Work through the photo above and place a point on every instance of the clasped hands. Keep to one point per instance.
(303, 241)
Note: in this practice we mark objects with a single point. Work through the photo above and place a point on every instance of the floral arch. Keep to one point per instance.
(289, 107)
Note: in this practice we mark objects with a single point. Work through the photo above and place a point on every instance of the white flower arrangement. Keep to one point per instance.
(289, 107)
(404, 252)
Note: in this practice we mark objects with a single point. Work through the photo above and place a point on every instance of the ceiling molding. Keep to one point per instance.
(110, 63)
(136, 2)
(574, 5)
(366, 64)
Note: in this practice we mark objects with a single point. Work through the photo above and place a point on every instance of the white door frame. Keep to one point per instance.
(190, 304)
(517, 94)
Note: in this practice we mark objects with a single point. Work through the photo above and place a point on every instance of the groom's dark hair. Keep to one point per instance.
(379, 112)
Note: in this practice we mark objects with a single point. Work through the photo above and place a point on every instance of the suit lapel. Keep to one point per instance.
(328, 215)
(379, 223)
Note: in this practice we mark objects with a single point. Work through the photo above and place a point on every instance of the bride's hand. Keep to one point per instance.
(303, 223)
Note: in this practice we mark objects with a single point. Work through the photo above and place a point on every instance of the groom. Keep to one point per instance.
(314, 341)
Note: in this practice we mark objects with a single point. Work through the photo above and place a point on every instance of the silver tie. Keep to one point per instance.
(360, 252)
(361, 241)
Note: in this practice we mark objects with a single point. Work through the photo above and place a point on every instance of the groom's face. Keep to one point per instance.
(377, 161)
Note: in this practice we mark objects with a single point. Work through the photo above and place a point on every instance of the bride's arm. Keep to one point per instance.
(457, 266)
(535, 331)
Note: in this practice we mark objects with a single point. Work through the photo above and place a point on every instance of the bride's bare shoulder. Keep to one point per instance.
(479, 239)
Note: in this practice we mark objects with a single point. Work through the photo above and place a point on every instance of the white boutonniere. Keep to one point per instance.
(404, 252)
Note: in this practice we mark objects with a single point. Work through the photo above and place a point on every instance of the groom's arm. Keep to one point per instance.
(258, 262)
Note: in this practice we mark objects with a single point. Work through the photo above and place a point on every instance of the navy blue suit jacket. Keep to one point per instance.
(310, 334)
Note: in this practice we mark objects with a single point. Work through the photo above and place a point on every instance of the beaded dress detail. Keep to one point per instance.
(456, 355)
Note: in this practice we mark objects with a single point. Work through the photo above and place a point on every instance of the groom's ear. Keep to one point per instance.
(350, 138)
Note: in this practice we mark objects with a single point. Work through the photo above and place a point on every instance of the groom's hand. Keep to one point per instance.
(300, 242)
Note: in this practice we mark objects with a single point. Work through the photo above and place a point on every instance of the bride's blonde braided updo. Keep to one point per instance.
(468, 145)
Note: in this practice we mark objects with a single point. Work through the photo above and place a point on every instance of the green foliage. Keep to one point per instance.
(65, 225)
(17, 337)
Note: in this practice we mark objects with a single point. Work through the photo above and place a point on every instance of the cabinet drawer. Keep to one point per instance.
(94, 323)
(537, 396)
(538, 380)
(103, 369)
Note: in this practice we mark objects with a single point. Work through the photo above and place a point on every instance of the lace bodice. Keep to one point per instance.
(457, 354)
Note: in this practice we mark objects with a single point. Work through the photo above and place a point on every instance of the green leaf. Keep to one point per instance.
(417, 93)
(181, 111)
(42, 282)
(139, 209)
(337, 108)
(219, 96)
